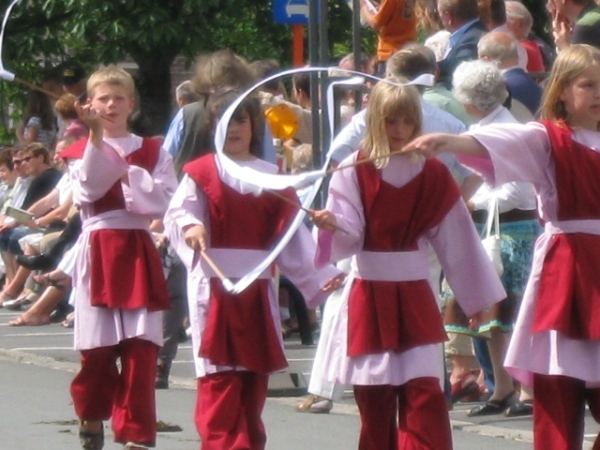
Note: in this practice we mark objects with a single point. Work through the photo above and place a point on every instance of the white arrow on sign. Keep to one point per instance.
(296, 8)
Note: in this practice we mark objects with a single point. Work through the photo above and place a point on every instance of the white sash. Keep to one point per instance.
(391, 266)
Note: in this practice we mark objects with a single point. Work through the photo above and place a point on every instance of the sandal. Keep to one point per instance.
(4, 297)
(134, 446)
(520, 408)
(492, 407)
(465, 388)
(91, 441)
(315, 404)
(22, 303)
(69, 320)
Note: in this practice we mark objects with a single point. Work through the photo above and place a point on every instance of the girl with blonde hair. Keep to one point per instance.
(389, 331)
(555, 346)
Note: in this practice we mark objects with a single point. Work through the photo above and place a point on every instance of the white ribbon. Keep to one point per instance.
(5, 74)
(255, 181)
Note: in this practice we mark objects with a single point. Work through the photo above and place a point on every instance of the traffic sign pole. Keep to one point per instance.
(298, 45)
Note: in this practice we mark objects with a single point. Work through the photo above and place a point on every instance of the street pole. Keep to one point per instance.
(314, 58)
(356, 48)
(298, 45)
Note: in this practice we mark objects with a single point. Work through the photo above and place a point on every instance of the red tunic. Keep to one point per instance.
(239, 328)
(390, 315)
(569, 294)
(126, 271)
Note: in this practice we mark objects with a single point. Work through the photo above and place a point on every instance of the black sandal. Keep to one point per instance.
(491, 407)
(520, 408)
(91, 441)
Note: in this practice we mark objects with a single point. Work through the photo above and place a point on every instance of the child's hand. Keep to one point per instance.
(429, 145)
(334, 283)
(196, 237)
(324, 220)
(561, 31)
(90, 117)
(161, 240)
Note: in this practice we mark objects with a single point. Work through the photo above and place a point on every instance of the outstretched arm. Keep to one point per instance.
(431, 145)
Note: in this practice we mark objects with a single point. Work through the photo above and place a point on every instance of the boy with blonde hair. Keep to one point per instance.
(121, 182)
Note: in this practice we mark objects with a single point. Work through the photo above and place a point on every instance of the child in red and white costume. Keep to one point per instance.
(121, 182)
(556, 343)
(237, 339)
(389, 330)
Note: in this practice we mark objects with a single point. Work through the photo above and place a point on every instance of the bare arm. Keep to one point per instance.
(431, 145)
(470, 186)
(45, 204)
(59, 213)
(368, 15)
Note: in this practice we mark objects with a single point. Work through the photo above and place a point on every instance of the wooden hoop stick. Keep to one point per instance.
(48, 93)
(227, 284)
(36, 88)
(368, 160)
(310, 212)
(290, 201)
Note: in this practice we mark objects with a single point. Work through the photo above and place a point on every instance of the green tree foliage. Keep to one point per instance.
(40, 34)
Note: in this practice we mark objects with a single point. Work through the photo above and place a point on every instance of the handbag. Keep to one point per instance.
(490, 238)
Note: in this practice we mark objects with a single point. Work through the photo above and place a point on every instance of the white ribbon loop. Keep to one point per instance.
(5, 74)
(250, 180)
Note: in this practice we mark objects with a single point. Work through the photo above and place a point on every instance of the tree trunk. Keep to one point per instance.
(153, 82)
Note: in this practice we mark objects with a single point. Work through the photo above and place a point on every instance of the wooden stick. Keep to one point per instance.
(37, 88)
(48, 93)
(310, 212)
(227, 284)
(290, 201)
(364, 161)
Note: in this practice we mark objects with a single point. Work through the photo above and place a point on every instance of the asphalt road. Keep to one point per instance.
(37, 364)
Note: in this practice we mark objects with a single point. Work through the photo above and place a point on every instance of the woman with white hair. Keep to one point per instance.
(479, 87)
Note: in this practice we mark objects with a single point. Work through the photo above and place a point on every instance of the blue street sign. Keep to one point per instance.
(290, 11)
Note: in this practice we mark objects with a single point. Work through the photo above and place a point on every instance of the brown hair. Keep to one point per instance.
(36, 149)
(219, 101)
(411, 61)
(6, 158)
(221, 69)
(39, 105)
(65, 106)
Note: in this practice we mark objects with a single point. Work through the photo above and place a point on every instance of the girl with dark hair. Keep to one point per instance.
(38, 122)
(237, 337)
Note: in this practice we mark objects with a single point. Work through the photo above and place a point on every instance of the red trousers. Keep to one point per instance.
(229, 409)
(100, 391)
(559, 410)
(413, 416)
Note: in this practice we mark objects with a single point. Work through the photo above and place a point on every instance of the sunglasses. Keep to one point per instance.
(16, 162)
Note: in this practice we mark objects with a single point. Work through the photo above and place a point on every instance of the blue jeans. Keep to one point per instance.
(9, 239)
(482, 353)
